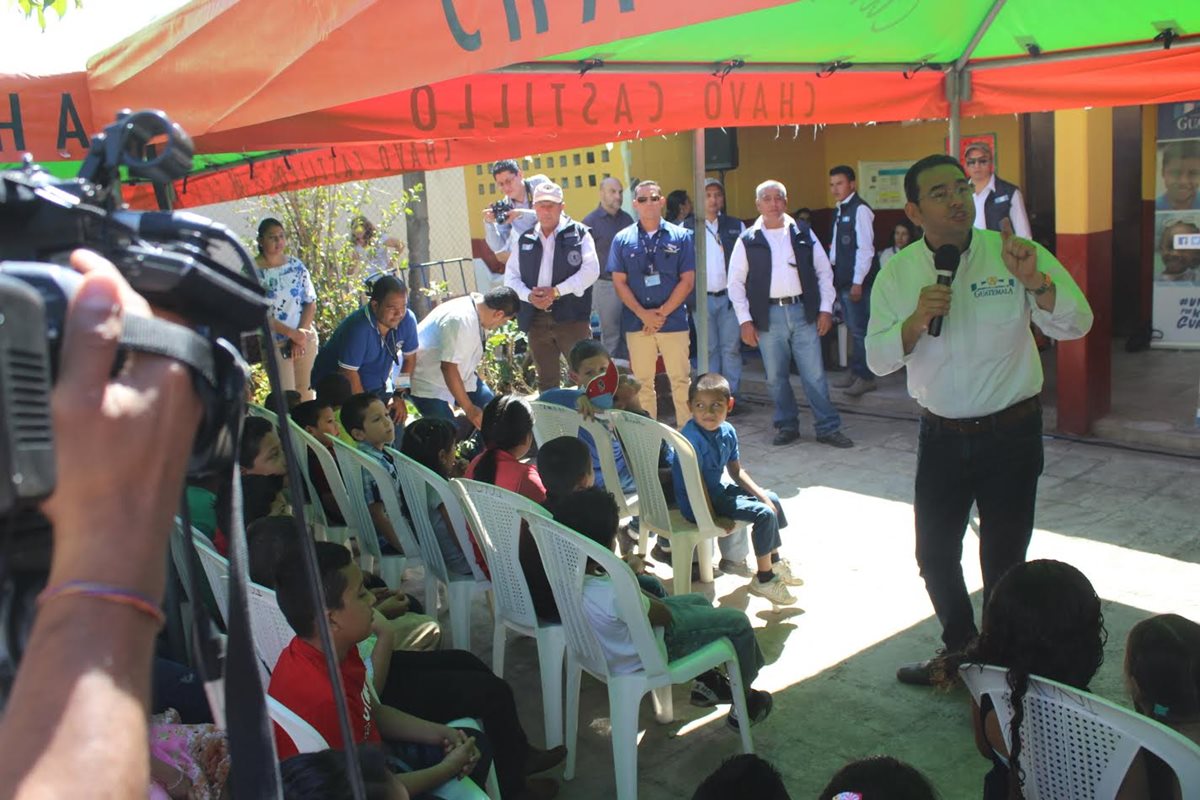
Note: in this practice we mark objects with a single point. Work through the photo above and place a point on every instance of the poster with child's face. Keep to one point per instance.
(1177, 185)
(1177, 247)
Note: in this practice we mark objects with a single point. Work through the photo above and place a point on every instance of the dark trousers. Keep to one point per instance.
(996, 467)
(443, 685)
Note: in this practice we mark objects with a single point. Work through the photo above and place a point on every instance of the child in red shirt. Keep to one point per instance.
(300, 680)
(507, 431)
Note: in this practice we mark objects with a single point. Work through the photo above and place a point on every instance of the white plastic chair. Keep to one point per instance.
(216, 569)
(551, 421)
(565, 554)
(495, 516)
(391, 567)
(1075, 744)
(268, 625)
(255, 410)
(333, 476)
(643, 438)
(416, 481)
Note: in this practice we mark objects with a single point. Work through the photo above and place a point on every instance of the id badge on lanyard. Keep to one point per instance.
(650, 245)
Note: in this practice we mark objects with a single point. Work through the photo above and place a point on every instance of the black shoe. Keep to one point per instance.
(696, 572)
(711, 688)
(918, 673)
(660, 554)
(758, 708)
(785, 437)
(836, 439)
(542, 760)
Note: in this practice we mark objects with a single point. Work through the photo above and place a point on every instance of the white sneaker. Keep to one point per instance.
(773, 590)
(783, 571)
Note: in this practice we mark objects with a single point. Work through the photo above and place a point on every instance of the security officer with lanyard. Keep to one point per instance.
(552, 269)
(653, 264)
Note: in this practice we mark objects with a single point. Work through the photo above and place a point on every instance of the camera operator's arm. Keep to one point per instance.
(75, 724)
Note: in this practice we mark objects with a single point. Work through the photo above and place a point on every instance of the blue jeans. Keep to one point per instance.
(695, 622)
(433, 407)
(857, 315)
(736, 503)
(724, 341)
(793, 337)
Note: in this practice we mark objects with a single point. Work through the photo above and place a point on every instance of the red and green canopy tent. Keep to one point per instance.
(281, 94)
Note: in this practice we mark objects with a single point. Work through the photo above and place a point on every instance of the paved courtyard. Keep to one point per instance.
(1126, 519)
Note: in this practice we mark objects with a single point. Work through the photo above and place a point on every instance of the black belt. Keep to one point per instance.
(1005, 418)
(721, 293)
(786, 301)
(605, 276)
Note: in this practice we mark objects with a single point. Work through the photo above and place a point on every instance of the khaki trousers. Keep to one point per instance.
(296, 372)
(644, 349)
(548, 340)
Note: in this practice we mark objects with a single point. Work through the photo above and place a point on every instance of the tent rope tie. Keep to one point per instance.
(909, 73)
(723, 68)
(833, 67)
(1167, 36)
(589, 64)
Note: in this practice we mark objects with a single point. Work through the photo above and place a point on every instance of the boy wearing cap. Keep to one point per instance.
(552, 268)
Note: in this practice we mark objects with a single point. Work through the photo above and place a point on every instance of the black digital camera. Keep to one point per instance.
(179, 262)
(501, 209)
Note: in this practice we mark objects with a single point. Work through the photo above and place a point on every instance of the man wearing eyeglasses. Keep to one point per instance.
(653, 266)
(995, 198)
(781, 287)
(977, 382)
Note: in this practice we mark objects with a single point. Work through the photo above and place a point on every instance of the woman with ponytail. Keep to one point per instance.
(507, 432)
(1043, 620)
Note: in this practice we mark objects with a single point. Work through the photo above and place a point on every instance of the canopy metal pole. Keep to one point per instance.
(961, 63)
(701, 305)
(953, 87)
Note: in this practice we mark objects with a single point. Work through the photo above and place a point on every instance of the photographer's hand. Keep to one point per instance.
(122, 447)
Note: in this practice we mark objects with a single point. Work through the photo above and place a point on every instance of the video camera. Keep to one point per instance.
(501, 209)
(171, 259)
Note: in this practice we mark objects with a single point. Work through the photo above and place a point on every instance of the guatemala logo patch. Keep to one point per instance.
(993, 287)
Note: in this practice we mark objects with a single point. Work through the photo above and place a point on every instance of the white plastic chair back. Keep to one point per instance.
(416, 479)
(1077, 746)
(261, 411)
(303, 735)
(337, 487)
(565, 554)
(551, 421)
(268, 625)
(216, 569)
(494, 515)
(352, 463)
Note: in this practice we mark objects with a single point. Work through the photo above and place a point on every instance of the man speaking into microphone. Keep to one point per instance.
(977, 380)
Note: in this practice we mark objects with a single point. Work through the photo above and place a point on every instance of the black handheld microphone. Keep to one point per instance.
(945, 261)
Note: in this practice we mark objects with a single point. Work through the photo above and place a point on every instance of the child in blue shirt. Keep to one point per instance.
(740, 498)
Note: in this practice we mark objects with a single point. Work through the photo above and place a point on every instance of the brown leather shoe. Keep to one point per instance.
(542, 760)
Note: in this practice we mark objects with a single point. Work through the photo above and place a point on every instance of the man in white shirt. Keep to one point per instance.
(995, 198)
(451, 347)
(851, 251)
(552, 269)
(781, 287)
(721, 233)
(978, 383)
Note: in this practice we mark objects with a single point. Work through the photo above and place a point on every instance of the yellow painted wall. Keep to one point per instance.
(1149, 151)
(666, 159)
(1083, 153)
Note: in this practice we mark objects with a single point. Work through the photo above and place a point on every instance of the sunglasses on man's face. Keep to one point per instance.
(971, 162)
(649, 198)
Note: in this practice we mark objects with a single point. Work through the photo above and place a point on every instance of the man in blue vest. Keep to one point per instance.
(781, 287)
(552, 268)
(653, 264)
(851, 249)
(724, 334)
(995, 199)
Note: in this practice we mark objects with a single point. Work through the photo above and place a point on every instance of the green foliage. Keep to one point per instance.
(507, 366)
(317, 223)
(31, 8)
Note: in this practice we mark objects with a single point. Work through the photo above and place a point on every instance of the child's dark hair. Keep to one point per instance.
(254, 430)
(745, 775)
(322, 775)
(591, 512)
(1162, 667)
(291, 586)
(354, 411)
(291, 399)
(425, 441)
(269, 541)
(507, 423)
(308, 413)
(333, 389)
(710, 382)
(258, 497)
(879, 778)
(562, 464)
(1043, 619)
(582, 351)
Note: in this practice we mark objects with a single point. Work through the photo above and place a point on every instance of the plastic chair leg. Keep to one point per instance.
(683, 547)
(391, 569)
(461, 593)
(624, 700)
(739, 702)
(664, 704)
(499, 645)
(431, 594)
(551, 644)
(574, 678)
